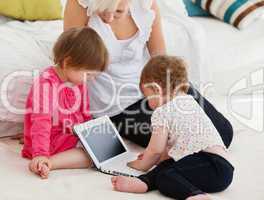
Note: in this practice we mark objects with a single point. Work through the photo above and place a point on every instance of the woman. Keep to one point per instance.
(131, 30)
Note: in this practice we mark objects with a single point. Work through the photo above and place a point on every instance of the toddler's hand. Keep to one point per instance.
(135, 164)
(164, 157)
(41, 166)
(140, 156)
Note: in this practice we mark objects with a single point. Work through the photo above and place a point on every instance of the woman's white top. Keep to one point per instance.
(118, 87)
(190, 129)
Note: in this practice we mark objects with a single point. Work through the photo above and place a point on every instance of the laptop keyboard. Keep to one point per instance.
(119, 168)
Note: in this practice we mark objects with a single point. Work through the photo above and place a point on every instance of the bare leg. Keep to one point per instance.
(19, 137)
(72, 159)
(128, 184)
(200, 197)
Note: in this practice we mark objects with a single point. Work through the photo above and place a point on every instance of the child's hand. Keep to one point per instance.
(140, 156)
(136, 164)
(41, 166)
(164, 157)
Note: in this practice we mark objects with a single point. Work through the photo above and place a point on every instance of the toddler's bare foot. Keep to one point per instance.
(44, 171)
(128, 184)
(200, 197)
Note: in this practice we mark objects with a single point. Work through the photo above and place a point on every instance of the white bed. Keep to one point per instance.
(229, 54)
(17, 183)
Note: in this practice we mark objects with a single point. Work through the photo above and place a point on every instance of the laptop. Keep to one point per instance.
(105, 146)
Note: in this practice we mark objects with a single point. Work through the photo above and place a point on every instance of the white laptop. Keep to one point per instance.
(103, 143)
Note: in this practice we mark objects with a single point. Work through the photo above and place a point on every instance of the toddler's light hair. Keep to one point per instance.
(168, 72)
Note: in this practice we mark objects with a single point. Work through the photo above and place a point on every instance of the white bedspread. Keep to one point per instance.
(17, 183)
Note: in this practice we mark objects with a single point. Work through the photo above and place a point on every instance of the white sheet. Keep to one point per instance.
(17, 183)
(10, 128)
(232, 54)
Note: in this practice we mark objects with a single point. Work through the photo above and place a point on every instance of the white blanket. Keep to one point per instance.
(17, 183)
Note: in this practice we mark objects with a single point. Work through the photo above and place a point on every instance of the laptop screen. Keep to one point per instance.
(103, 141)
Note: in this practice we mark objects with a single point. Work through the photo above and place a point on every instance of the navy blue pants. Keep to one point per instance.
(196, 174)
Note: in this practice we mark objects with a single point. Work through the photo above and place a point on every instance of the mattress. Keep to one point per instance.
(17, 183)
(232, 54)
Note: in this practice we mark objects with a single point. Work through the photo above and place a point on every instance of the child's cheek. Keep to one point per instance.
(153, 104)
(79, 79)
(76, 80)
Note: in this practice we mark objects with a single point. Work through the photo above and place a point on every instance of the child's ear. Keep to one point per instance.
(66, 62)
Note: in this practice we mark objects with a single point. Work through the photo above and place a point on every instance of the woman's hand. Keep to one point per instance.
(75, 15)
(156, 43)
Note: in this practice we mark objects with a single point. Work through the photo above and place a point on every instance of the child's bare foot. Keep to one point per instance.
(200, 197)
(128, 184)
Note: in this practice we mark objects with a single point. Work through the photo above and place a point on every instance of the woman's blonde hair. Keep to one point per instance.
(102, 5)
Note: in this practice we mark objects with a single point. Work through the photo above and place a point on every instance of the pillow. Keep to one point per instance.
(194, 10)
(240, 13)
(31, 9)
(23, 47)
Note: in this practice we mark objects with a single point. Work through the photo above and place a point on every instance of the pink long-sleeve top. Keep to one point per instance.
(52, 108)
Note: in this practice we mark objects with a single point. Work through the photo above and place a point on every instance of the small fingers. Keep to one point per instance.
(140, 156)
(44, 173)
(30, 166)
(33, 167)
(130, 164)
(40, 164)
(48, 163)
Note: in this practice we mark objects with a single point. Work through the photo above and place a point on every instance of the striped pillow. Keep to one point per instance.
(240, 13)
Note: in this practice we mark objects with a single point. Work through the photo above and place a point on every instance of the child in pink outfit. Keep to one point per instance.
(44, 135)
(59, 99)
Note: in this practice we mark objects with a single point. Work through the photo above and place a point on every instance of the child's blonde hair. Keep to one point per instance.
(160, 68)
(102, 5)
